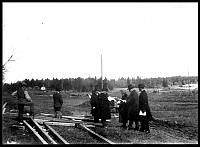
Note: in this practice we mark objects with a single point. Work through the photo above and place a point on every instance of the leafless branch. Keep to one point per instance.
(4, 65)
(9, 59)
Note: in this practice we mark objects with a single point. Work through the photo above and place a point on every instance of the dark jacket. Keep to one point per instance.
(143, 104)
(58, 101)
(95, 103)
(133, 106)
(123, 109)
(21, 96)
(104, 105)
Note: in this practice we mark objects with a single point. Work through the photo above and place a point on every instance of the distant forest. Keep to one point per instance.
(83, 85)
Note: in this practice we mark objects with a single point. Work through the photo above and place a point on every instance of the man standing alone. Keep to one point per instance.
(58, 101)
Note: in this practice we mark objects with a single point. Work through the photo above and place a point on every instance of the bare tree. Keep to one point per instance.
(4, 69)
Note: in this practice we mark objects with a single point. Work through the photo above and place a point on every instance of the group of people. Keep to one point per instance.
(132, 108)
(135, 109)
(100, 106)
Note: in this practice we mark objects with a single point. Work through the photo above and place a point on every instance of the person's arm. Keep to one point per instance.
(27, 96)
(14, 94)
(61, 100)
(130, 98)
(92, 100)
(144, 102)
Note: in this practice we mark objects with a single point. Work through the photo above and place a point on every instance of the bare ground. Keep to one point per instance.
(161, 133)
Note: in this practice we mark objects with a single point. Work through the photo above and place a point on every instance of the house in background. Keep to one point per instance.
(43, 88)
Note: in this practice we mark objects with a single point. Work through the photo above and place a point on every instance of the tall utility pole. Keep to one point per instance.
(188, 81)
(101, 73)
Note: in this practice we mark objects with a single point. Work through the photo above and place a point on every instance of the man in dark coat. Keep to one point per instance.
(123, 109)
(23, 100)
(58, 101)
(144, 107)
(94, 101)
(133, 108)
(104, 105)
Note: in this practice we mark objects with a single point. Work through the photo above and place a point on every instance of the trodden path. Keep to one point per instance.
(161, 135)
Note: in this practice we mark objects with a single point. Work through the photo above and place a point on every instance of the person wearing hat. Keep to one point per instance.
(145, 113)
(94, 102)
(133, 108)
(23, 99)
(58, 101)
(123, 109)
(104, 107)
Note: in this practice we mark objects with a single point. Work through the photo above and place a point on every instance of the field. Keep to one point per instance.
(177, 110)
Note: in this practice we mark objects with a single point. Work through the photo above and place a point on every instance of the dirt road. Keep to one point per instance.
(161, 135)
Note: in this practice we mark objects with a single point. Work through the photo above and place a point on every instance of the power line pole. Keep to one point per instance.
(189, 81)
(101, 73)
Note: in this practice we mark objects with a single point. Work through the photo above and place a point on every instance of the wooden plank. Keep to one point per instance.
(45, 114)
(60, 124)
(69, 117)
(78, 118)
(35, 132)
(95, 134)
(55, 120)
(4, 105)
(16, 114)
(95, 124)
(89, 126)
(45, 133)
(56, 134)
(41, 120)
(4, 109)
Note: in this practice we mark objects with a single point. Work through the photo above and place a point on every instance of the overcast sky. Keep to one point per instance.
(66, 40)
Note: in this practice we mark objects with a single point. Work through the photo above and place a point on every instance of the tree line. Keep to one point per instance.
(88, 84)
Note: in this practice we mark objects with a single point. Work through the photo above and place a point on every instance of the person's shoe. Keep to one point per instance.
(136, 129)
(141, 130)
(103, 124)
(31, 114)
(21, 123)
(130, 128)
(147, 131)
(123, 126)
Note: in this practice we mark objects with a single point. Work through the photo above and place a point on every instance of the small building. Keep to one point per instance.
(43, 88)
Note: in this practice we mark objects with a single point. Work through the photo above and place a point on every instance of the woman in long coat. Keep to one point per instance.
(104, 105)
(133, 108)
(123, 110)
(95, 111)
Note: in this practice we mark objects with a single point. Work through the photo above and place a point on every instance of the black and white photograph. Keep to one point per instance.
(99, 73)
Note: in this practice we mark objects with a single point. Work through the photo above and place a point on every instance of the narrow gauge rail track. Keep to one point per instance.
(47, 135)
(81, 133)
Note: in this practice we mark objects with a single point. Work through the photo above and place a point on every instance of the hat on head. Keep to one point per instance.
(130, 86)
(58, 89)
(141, 86)
(23, 84)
